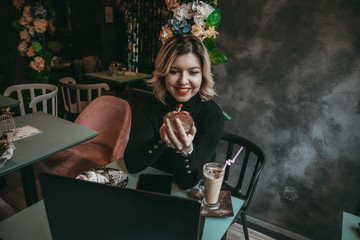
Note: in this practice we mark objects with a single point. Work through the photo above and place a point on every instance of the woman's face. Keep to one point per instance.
(184, 78)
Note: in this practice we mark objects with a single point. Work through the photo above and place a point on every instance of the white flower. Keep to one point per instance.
(202, 9)
(199, 20)
(201, 12)
(183, 12)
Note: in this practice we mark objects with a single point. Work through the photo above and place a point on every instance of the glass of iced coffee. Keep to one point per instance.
(211, 184)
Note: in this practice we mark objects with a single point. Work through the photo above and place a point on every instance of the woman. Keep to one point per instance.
(182, 76)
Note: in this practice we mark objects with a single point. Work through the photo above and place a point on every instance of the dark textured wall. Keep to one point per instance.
(292, 85)
(11, 62)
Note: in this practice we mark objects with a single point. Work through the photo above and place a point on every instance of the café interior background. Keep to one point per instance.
(291, 84)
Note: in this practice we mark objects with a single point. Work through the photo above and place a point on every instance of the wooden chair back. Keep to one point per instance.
(77, 96)
(36, 92)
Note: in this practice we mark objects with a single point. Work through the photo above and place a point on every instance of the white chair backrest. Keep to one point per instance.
(69, 85)
(35, 97)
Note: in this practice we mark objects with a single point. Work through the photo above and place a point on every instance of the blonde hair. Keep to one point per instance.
(174, 47)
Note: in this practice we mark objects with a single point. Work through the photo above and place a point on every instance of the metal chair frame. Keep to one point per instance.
(245, 186)
(357, 209)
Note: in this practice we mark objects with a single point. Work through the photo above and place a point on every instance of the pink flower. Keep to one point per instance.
(165, 33)
(23, 46)
(198, 31)
(38, 64)
(210, 32)
(24, 35)
(30, 52)
(18, 4)
(23, 21)
(40, 25)
(51, 26)
(172, 4)
(27, 14)
(201, 33)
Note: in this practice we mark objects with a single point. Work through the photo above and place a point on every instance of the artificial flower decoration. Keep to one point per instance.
(18, 4)
(33, 23)
(30, 52)
(38, 64)
(183, 12)
(177, 26)
(24, 35)
(40, 25)
(172, 4)
(201, 18)
(165, 33)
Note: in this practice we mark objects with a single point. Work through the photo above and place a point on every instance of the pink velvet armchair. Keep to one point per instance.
(5, 210)
(111, 117)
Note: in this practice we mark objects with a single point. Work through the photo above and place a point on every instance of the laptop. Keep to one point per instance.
(79, 209)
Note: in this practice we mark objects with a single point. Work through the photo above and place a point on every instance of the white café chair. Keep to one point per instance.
(71, 94)
(39, 92)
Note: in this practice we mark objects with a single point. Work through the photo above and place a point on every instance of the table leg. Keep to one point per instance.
(28, 182)
(202, 224)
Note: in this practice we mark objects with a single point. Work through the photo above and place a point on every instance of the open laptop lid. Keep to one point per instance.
(79, 209)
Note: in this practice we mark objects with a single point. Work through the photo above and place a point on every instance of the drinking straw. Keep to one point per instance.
(230, 161)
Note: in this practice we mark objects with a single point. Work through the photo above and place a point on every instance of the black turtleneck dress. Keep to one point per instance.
(145, 147)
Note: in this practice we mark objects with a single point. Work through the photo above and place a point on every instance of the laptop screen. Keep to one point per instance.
(79, 209)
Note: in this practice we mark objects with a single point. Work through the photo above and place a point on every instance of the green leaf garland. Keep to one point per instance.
(209, 44)
(36, 46)
(217, 57)
(214, 19)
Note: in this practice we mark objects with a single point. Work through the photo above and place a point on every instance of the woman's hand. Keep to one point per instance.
(181, 143)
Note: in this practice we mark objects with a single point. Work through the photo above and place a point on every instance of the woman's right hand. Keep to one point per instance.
(180, 143)
(164, 129)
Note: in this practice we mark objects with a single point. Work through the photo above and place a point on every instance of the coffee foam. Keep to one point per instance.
(213, 173)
